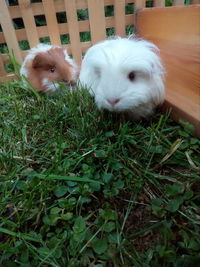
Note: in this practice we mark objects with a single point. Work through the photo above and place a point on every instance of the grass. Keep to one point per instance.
(82, 187)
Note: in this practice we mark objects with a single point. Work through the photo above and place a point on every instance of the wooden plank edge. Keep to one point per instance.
(8, 78)
(178, 114)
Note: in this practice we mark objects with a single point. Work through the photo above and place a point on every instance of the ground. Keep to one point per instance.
(82, 187)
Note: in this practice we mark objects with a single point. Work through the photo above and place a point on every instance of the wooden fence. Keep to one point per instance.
(28, 12)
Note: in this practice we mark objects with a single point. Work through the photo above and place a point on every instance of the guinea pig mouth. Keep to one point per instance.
(112, 108)
(119, 107)
(69, 82)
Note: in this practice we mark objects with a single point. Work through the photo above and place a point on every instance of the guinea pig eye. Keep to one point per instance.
(97, 71)
(131, 76)
(52, 69)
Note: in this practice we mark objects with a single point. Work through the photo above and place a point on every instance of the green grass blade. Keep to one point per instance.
(19, 235)
(147, 229)
(66, 178)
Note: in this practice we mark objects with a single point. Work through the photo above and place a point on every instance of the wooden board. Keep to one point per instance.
(9, 32)
(52, 25)
(97, 20)
(73, 29)
(120, 18)
(29, 22)
(176, 31)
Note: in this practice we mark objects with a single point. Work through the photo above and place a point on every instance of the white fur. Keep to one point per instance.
(51, 86)
(105, 69)
(74, 66)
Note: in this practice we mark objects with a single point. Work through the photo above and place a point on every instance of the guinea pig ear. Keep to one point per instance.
(41, 60)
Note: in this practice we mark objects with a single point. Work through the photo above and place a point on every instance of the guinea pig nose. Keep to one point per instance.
(113, 101)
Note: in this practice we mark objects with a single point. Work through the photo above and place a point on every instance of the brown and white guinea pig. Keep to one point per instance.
(46, 65)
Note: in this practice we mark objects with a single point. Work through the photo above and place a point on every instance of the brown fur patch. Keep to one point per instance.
(42, 67)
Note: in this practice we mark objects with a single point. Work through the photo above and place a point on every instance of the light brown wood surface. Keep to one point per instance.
(176, 31)
(140, 3)
(160, 3)
(29, 22)
(179, 2)
(193, 2)
(27, 11)
(64, 28)
(8, 78)
(97, 20)
(52, 25)
(2, 69)
(9, 32)
(120, 18)
(70, 7)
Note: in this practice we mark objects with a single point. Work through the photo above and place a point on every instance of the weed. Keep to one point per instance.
(83, 187)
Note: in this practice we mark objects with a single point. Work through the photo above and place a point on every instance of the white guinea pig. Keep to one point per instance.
(124, 74)
(46, 65)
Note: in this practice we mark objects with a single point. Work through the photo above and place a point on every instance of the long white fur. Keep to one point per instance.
(105, 70)
(71, 61)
